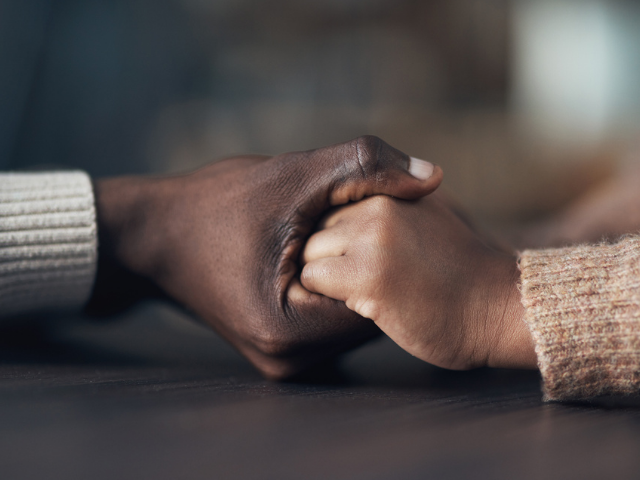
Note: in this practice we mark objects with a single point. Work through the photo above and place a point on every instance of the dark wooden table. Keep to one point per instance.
(158, 397)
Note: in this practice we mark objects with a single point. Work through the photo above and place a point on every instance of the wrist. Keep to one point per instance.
(127, 243)
(508, 340)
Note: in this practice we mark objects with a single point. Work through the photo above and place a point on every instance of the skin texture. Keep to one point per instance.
(425, 278)
(224, 241)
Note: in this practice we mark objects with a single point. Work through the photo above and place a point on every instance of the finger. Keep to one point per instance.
(350, 171)
(337, 329)
(331, 242)
(369, 166)
(329, 276)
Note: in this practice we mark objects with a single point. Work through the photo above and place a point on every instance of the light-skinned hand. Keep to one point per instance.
(425, 278)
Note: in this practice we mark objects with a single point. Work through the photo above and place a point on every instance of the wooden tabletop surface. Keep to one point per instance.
(155, 396)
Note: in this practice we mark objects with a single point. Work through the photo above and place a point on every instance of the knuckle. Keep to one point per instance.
(367, 307)
(382, 212)
(369, 145)
(381, 204)
(274, 342)
(368, 153)
(376, 240)
(370, 238)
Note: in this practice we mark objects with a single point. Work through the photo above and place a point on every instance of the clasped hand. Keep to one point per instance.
(227, 242)
(224, 242)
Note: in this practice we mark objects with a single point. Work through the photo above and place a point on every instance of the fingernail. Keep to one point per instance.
(420, 168)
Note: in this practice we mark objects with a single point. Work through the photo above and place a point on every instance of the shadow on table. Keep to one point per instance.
(157, 337)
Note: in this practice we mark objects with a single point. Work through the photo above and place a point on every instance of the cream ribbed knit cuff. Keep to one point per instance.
(48, 245)
(583, 309)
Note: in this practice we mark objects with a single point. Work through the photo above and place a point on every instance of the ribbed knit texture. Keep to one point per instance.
(48, 245)
(583, 309)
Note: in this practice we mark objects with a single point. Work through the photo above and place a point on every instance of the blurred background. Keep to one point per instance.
(525, 104)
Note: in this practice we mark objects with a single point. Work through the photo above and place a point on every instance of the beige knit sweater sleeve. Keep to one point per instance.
(583, 309)
(48, 246)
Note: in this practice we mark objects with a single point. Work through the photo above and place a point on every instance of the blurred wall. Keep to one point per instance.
(86, 82)
(82, 80)
(120, 86)
(576, 70)
(301, 74)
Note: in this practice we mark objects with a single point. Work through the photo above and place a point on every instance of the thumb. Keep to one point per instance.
(367, 166)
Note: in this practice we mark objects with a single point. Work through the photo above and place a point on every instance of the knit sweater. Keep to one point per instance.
(582, 305)
(48, 246)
